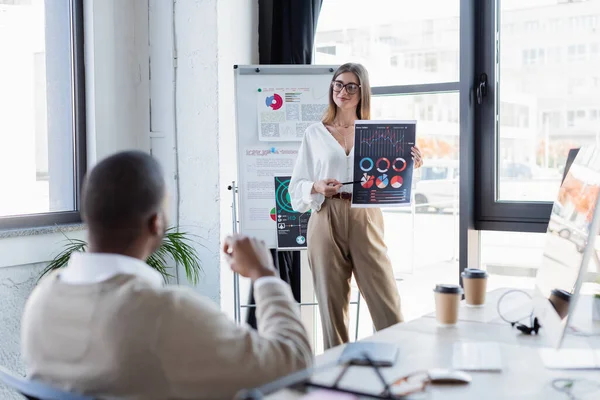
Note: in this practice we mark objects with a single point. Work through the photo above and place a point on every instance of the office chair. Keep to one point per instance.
(33, 390)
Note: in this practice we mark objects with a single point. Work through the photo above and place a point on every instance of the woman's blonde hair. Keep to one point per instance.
(363, 108)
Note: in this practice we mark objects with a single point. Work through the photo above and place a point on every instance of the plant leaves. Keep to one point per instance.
(176, 245)
(61, 260)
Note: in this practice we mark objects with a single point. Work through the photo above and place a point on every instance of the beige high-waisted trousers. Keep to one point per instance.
(342, 241)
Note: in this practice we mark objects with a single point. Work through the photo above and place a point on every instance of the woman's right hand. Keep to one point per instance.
(327, 187)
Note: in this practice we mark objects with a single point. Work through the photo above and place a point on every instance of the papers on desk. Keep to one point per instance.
(477, 356)
(586, 358)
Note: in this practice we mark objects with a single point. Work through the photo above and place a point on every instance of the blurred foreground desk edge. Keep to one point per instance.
(424, 345)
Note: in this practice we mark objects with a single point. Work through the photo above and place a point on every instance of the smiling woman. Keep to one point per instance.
(412, 51)
(343, 241)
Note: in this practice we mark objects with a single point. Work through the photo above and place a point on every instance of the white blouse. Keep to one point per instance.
(320, 157)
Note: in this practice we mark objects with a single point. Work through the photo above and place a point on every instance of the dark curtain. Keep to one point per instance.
(286, 34)
(286, 30)
(288, 265)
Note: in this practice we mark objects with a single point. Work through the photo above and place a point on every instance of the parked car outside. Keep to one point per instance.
(566, 229)
(436, 185)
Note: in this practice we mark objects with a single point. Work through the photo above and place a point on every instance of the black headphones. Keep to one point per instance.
(526, 330)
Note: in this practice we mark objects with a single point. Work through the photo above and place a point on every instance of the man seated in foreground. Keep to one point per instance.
(105, 325)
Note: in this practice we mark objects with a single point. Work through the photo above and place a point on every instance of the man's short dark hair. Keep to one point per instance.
(121, 193)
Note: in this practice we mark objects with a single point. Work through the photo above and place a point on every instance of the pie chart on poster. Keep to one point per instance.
(382, 182)
(367, 181)
(275, 101)
(396, 181)
(273, 214)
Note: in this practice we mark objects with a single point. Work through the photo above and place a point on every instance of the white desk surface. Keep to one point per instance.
(424, 345)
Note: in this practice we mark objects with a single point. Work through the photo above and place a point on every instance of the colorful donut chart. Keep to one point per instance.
(403, 163)
(275, 102)
(378, 165)
(370, 167)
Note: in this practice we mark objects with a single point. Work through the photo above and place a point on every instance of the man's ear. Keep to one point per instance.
(156, 225)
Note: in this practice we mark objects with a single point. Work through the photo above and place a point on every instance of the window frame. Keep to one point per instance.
(25, 221)
(491, 213)
(469, 236)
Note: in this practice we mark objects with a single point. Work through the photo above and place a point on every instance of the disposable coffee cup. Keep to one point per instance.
(447, 299)
(560, 299)
(475, 284)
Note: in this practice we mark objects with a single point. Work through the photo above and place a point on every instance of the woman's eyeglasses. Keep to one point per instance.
(351, 88)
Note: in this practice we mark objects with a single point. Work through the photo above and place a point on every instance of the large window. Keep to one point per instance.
(542, 101)
(401, 42)
(411, 50)
(525, 94)
(42, 126)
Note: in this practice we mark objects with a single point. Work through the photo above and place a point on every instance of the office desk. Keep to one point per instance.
(424, 345)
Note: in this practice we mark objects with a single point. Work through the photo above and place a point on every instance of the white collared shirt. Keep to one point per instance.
(320, 157)
(86, 268)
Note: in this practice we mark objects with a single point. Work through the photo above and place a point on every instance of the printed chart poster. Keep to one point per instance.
(260, 164)
(285, 113)
(383, 164)
(291, 225)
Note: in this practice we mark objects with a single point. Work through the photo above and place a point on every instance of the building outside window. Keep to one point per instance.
(547, 89)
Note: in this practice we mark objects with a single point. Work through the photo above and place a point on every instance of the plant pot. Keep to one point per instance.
(596, 308)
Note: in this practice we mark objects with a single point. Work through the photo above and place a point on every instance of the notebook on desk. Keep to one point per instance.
(380, 354)
(477, 356)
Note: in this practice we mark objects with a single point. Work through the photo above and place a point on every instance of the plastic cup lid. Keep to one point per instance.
(445, 288)
(474, 273)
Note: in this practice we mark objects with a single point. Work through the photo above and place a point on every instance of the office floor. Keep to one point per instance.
(416, 291)
(432, 243)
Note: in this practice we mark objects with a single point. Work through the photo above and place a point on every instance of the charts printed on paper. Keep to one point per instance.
(383, 164)
(285, 113)
(292, 226)
(262, 164)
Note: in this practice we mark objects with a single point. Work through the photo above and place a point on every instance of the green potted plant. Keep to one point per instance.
(175, 246)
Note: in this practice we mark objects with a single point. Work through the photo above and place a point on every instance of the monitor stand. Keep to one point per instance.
(584, 358)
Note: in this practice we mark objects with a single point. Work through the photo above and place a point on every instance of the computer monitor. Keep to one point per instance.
(569, 252)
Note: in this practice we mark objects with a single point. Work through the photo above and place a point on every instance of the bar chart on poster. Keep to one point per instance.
(274, 105)
(383, 164)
